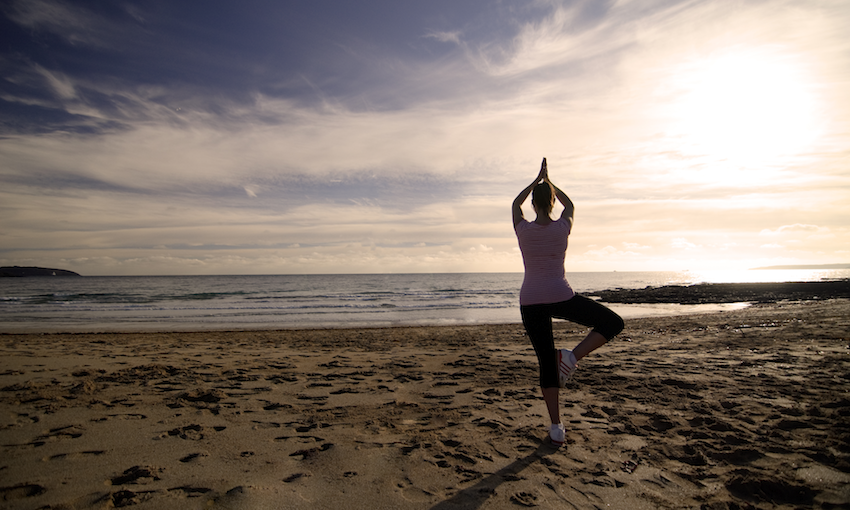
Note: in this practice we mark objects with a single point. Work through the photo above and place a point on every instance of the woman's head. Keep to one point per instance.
(543, 198)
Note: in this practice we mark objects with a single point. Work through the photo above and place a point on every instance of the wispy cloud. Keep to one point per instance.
(73, 23)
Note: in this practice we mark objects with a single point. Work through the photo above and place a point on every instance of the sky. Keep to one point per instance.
(165, 137)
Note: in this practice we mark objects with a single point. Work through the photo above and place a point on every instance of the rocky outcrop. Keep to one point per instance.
(729, 293)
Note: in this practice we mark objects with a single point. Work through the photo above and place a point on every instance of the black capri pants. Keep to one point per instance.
(537, 320)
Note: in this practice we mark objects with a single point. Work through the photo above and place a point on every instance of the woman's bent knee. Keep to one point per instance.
(612, 327)
(619, 325)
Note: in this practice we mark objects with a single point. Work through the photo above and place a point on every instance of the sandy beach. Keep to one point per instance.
(741, 409)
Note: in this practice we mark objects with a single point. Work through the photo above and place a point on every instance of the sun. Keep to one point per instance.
(744, 107)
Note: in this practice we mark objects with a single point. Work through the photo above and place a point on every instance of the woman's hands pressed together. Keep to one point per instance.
(543, 176)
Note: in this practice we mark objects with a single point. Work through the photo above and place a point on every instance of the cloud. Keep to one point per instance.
(567, 34)
(398, 146)
(609, 252)
(74, 23)
(681, 243)
(797, 227)
(452, 37)
(59, 83)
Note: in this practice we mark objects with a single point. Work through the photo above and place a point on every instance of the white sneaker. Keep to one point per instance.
(566, 366)
(556, 434)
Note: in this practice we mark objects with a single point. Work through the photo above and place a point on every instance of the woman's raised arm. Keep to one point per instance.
(516, 208)
(569, 208)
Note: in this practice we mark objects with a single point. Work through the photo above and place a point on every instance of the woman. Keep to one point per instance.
(546, 293)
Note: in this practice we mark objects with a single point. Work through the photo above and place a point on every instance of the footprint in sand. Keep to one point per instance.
(21, 491)
(282, 378)
(207, 396)
(528, 499)
(409, 377)
(491, 424)
(410, 492)
(320, 385)
(344, 390)
(77, 455)
(23, 419)
(442, 399)
(295, 476)
(310, 453)
(319, 399)
(193, 457)
(137, 475)
(738, 457)
(128, 416)
(750, 485)
(192, 432)
(59, 433)
(190, 491)
(273, 406)
(124, 498)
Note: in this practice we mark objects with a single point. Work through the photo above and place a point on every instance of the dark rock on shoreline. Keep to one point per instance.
(15, 271)
(704, 293)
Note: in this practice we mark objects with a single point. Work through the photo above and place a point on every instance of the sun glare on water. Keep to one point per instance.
(744, 108)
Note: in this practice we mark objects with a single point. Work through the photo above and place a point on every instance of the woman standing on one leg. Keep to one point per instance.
(546, 294)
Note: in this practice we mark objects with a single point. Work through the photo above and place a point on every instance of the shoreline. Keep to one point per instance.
(723, 410)
(335, 329)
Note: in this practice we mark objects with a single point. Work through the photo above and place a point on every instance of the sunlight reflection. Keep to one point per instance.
(764, 275)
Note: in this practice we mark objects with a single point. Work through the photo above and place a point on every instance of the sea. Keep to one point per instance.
(95, 304)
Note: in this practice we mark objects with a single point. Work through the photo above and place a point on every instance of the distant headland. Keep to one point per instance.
(15, 271)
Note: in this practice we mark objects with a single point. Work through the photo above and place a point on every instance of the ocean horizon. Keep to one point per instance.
(268, 302)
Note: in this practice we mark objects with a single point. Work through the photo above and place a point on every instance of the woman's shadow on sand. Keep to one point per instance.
(475, 496)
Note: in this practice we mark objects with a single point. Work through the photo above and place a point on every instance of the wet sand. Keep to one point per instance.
(741, 409)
